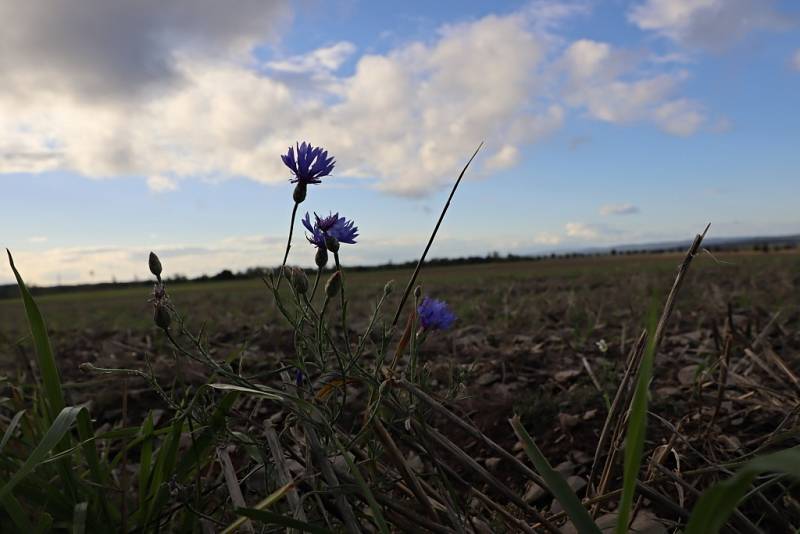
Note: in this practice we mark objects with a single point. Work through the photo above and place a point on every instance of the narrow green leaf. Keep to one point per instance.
(12, 426)
(44, 352)
(18, 515)
(145, 458)
(271, 518)
(61, 425)
(637, 427)
(555, 482)
(718, 502)
(268, 393)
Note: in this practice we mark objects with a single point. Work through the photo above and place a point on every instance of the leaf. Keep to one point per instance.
(145, 458)
(12, 425)
(44, 352)
(637, 427)
(555, 482)
(18, 515)
(718, 502)
(268, 393)
(61, 425)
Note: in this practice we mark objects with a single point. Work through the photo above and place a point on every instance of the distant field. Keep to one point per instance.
(481, 293)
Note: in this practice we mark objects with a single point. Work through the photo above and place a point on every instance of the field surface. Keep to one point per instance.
(546, 339)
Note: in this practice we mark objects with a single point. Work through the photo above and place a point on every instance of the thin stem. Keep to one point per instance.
(288, 243)
(344, 305)
(430, 241)
(316, 283)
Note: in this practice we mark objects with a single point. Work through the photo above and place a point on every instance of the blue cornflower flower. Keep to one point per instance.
(334, 226)
(311, 164)
(435, 314)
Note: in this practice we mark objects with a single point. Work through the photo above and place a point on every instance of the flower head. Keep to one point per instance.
(311, 163)
(334, 226)
(435, 314)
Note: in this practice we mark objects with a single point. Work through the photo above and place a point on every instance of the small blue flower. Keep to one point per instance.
(311, 164)
(343, 230)
(435, 314)
(298, 377)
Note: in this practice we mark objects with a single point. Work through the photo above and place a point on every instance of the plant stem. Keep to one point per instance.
(288, 243)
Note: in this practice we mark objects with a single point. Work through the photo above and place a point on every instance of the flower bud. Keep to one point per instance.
(161, 317)
(332, 243)
(388, 288)
(300, 191)
(299, 280)
(155, 265)
(321, 258)
(417, 292)
(333, 285)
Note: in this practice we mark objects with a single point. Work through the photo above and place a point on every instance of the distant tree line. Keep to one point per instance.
(758, 245)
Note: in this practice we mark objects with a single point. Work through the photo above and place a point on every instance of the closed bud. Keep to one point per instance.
(299, 280)
(321, 258)
(333, 285)
(332, 243)
(417, 292)
(162, 317)
(300, 191)
(388, 288)
(155, 265)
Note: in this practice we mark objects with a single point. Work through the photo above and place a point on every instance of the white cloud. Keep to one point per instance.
(706, 24)
(329, 58)
(505, 157)
(37, 239)
(161, 184)
(618, 209)
(581, 230)
(796, 60)
(197, 104)
(547, 238)
(606, 83)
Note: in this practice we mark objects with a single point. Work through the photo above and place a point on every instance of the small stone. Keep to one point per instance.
(492, 463)
(533, 492)
(563, 376)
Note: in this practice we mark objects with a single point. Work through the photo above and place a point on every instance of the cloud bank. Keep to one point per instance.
(174, 91)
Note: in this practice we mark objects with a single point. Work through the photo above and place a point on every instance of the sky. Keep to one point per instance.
(143, 125)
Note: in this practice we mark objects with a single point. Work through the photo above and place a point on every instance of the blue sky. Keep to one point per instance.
(126, 127)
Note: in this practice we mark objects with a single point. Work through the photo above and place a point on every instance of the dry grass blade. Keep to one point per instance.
(471, 430)
(282, 469)
(232, 482)
(468, 461)
(407, 473)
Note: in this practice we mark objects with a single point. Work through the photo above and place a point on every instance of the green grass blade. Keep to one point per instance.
(60, 427)
(12, 425)
(44, 352)
(555, 482)
(145, 458)
(18, 515)
(637, 427)
(271, 518)
(718, 503)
